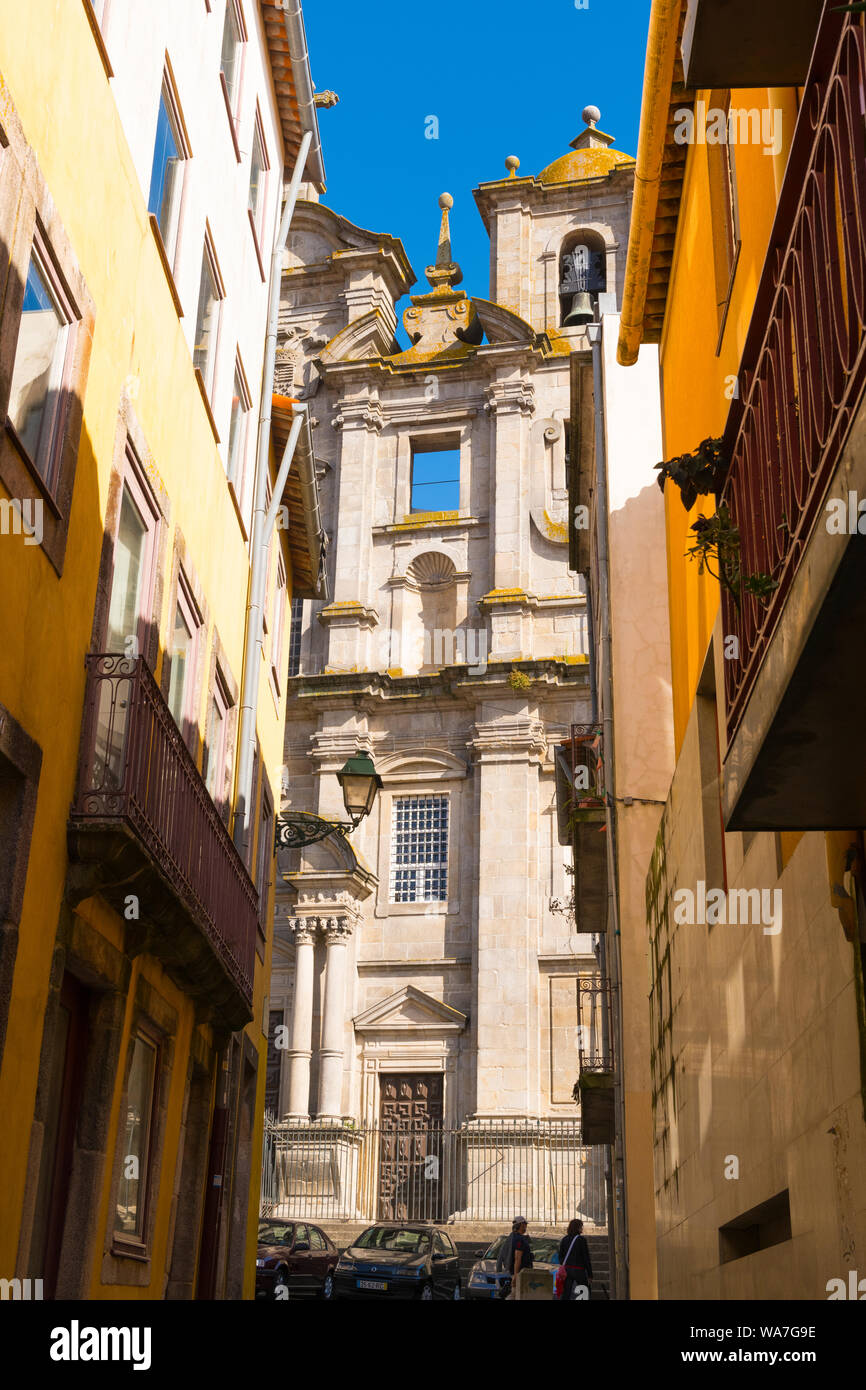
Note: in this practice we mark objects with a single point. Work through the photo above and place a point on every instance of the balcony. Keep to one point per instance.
(596, 1080)
(738, 43)
(796, 437)
(143, 825)
(583, 822)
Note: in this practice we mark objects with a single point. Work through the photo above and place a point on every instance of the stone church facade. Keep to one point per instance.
(422, 972)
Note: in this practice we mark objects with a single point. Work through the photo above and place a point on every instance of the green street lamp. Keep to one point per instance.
(360, 783)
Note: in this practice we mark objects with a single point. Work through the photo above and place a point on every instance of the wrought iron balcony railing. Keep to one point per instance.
(587, 768)
(803, 369)
(144, 823)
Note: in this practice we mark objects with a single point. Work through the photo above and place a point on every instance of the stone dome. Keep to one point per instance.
(583, 164)
(589, 156)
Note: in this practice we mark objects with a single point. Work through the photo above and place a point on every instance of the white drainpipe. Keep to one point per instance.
(263, 520)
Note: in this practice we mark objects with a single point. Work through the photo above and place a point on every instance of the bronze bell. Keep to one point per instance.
(581, 311)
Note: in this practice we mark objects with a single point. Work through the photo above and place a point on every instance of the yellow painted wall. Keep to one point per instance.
(696, 381)
(52, 74)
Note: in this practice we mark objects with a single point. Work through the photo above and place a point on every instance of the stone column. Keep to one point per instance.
(301, 1050)
(330, 1106)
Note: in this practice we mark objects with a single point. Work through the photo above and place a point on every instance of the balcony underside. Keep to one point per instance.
(596, 1107)
(741, 43)
(590, 869)
(108, 858)
(796, 760)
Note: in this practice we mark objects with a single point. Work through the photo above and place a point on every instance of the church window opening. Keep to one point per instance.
(582, 278)
(435, 478)
(419, 849)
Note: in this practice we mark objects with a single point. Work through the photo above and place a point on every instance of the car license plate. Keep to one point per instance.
(371, 1284)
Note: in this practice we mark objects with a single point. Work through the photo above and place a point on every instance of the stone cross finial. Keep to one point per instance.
(445, 273)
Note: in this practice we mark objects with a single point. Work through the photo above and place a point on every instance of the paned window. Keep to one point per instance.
(136, 1127)
(419, 849)
(37, 375)
(166, 180)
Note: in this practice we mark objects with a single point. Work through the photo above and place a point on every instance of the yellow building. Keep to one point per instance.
(745, 267)
(141, 188)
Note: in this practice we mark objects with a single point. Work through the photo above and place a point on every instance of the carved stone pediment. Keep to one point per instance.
(410, 1010)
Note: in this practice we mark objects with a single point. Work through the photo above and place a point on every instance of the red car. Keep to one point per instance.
(294, 1259)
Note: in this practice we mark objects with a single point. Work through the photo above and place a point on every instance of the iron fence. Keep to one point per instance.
(427, 1172)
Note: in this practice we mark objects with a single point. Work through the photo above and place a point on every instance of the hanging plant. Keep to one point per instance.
(717, 541)
(699, 474)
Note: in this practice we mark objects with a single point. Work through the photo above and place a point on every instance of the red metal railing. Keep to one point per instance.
(803, 369)
(586, 755)
(136, 768)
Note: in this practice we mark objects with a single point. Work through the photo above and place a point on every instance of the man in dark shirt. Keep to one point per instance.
(516, 1254)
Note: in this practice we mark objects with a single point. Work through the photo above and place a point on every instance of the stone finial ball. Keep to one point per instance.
(445, 200)
(512, 163)
(591, 115)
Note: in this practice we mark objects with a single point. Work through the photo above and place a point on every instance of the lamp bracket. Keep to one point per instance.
(295, 829)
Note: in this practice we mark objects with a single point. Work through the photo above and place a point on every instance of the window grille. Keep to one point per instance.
(419, 849)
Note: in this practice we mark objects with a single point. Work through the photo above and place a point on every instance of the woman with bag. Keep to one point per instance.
(575, 1266)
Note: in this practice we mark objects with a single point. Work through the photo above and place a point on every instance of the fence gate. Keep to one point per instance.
(410, 1148)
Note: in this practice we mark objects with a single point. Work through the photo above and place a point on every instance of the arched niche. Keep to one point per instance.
(430, 613)
(582, 269)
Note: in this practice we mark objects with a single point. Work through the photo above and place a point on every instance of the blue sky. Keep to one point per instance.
(502, 76)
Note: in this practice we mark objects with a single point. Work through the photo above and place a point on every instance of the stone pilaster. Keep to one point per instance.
(507, 404)
(507, 753)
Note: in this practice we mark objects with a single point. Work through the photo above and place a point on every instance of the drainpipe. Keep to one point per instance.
(263, 519)
(612, 959)
(296, 37)
(658, 78)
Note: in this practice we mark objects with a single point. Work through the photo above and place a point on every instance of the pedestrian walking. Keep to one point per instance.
(515, 1255)
(575, 1265)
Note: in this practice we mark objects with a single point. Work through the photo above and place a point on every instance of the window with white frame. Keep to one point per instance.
(238, 441)
(258, 181)
(234, 37)
(419, 849)
(170, 155)
(41, 353)
(210, 296)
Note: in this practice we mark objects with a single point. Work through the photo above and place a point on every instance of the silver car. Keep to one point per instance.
(485, 1278)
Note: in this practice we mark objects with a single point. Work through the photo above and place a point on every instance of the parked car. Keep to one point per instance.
(400, 1259)
(294, 1258)
(485, 1278)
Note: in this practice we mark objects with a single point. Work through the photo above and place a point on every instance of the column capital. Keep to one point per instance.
(303, 930)
(337, 930)
(509, 398)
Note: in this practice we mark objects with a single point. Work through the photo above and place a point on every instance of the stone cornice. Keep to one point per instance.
(348, 613)
(367, 691)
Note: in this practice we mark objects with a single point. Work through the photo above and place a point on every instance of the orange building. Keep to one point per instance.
(746, 267)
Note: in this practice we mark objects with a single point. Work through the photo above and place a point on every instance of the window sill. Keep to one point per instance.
(121, 1251)
(99, 40)
(230, 114)
(236, 503)
(256, 243)
(207, 405)
(163, 256)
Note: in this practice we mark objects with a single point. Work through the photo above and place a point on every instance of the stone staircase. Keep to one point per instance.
(473, 1237)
